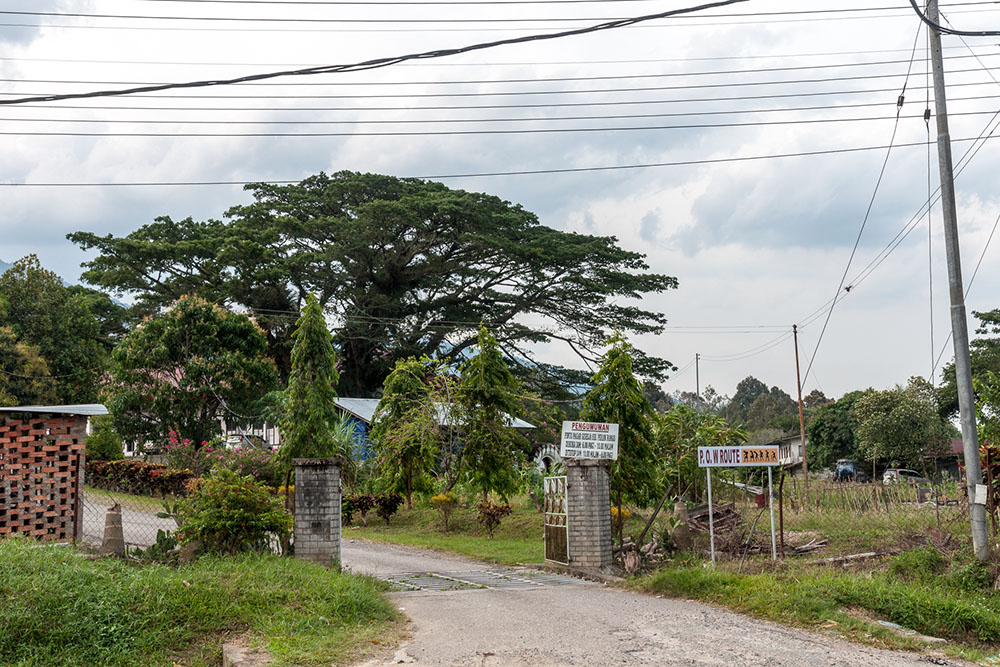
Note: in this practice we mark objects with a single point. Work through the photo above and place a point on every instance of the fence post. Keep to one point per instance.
(81, 465)
(317, 511)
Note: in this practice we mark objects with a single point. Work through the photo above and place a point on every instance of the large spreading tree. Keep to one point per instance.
(186, 368)
(412, 265)
(984, 356)
(55, 347)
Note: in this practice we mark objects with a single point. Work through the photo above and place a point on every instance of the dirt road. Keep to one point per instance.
(469, 613)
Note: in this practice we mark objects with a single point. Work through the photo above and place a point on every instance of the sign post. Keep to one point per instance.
(741, 456)
(589, 440)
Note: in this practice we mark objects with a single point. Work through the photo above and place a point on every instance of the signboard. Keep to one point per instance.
(737, 457)
(589, 440)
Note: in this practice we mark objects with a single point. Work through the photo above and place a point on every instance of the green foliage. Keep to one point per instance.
(973, 576)
(138, 477)
(178, 371)
(677, 436)
(63, 610)
(408, 259)
(488, 397)
(406, 428)
(164, 550)
(917, 564)
(831, 432)
(490, 514)
(230, 514)
(984, 355)
(901, 426)
(47, 329)
(617, 398)
(310, 416)
(104, 443)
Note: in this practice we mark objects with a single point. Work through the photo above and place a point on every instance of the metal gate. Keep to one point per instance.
(556, 524)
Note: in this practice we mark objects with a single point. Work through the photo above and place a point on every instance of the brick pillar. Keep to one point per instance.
(317, 511)
(589, 509)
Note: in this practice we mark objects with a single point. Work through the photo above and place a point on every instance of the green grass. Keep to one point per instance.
(923, 592)
(517, 540)
(62, 609)
(130, 501)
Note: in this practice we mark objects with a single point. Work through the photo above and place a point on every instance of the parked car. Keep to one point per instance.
(902, 475)
(849, 471)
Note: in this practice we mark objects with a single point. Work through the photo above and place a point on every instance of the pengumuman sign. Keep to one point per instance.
(589, 440)
(742, 456)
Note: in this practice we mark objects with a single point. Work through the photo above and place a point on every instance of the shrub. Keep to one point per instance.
(104, 443)
(918, 564)
(446, 504)
(618, 521)
(387, 504)
(183, 454)
(261, 464)
(364, 503)
(973, 577)
(347, 509)
(490, 514)
(229, 514)
(138, 477)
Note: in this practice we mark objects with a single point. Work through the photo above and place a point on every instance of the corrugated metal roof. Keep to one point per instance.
(364, 409)
(85, 409)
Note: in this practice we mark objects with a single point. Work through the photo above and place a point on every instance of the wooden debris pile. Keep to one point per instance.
(725, 518)
(632, 556)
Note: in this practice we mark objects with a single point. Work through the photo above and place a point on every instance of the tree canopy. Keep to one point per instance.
(310, 417)
(183, 369)
(617, 398)
(984, 355)
(413, 265)
(901, 426)
(53, 349)
(831, 432)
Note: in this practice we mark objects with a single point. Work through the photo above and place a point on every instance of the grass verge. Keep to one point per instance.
(63, 609)
(918, 590)
(517, 540)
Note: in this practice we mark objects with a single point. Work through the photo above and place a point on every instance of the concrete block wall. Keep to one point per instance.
(317, 511)
(589, 509)
(40, 475)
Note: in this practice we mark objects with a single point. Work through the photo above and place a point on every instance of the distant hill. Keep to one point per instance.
(4, 266)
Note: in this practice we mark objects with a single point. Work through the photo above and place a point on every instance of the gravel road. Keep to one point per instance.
(558, 622)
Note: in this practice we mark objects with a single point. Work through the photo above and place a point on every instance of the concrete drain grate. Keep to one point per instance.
(410, 582)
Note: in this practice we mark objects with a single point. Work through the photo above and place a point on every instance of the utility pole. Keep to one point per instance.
(959, 324)
(697, 375)
(802, 426)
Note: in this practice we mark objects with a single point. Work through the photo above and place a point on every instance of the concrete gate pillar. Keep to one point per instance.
(588, 506)
(317, 511)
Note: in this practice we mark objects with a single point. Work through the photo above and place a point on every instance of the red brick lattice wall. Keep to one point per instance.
(39, 473)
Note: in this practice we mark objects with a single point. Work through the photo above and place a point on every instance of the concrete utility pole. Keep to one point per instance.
(697, 376)
(802, 424)
(959, 325)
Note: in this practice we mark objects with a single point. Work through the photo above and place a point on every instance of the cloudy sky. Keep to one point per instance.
(757, 244)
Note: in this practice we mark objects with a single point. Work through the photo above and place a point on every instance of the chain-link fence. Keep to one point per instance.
(140, 522)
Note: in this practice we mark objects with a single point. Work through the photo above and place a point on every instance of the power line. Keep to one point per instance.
(871, 204)
(377, 62)
(471, 132)
(608, 77)
(951, 31)
(530, 172)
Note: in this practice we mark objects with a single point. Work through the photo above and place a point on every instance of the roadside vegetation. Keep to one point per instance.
(946, 596)
(61, 608)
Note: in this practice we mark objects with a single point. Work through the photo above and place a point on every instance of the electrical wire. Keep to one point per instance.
(871, 204)
(951, 31)
(377, 62)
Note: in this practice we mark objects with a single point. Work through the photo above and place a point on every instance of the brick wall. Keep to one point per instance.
(39, 474)
(588, 503)
(317, 511)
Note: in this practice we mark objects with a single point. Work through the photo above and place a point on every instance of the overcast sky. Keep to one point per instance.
(757, 245)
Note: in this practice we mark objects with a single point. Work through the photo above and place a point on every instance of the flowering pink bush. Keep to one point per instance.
(263, 465)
